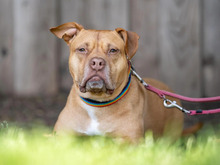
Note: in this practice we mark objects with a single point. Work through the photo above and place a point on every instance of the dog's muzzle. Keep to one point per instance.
(95, 85)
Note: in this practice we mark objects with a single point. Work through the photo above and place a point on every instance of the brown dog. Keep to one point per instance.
(105, 99)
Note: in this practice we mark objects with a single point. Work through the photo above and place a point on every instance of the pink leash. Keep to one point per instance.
(171, 104)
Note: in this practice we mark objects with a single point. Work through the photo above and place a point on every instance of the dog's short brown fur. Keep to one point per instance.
(98, 64)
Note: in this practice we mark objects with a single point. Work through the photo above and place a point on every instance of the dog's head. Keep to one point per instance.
(98, 60)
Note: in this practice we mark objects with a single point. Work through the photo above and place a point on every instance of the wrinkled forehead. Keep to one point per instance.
(103, 37)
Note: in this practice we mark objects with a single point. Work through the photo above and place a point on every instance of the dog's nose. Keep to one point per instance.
(97, 63)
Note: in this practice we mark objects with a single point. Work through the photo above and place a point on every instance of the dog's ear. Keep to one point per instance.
(67, 31)
(131, 41)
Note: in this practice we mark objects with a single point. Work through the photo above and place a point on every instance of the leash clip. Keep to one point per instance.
(172, 104)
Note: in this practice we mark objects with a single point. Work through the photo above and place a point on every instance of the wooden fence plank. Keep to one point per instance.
(179, 45)
(211, 43)
(34, 47)
(92, 14)
(6, 46)
(105, 14)
(144, 21)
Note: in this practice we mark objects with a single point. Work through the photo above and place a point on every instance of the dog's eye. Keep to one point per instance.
(82, 50)
(112, 51)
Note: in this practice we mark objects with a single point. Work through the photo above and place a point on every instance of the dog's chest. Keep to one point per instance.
(93, 127)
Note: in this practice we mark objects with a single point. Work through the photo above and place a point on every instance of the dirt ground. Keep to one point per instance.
(34, 110)
(45, 110)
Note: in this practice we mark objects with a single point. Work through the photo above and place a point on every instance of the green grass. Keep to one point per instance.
(29, 147)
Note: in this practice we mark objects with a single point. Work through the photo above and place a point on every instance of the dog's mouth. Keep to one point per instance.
(96, 85)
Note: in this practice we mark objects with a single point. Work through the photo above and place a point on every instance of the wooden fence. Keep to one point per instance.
(179, 44)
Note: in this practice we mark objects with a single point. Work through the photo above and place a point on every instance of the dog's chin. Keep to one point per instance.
(96, 86)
